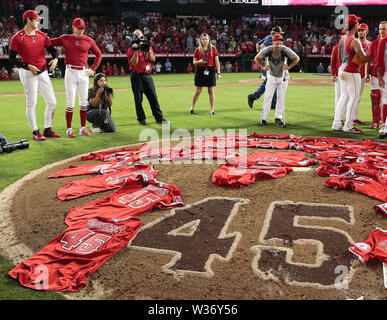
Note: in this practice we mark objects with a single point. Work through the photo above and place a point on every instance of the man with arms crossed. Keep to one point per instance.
(30, 43)
(276, 55)
(77, 46)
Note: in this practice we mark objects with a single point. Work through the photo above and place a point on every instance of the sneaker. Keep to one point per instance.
(250, 100)
(191, 111)
(48, 133)
(353, 130)
(161, 121)
(336, 127)
(381, 130)
(95, 129)
(263, 123)
(278, 122)
(70, 133)
(37, 136)
(212, 113)
(83, 131)
(373, 125)
(358, 122)
(142, 123)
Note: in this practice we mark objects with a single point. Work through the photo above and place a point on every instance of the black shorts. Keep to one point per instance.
(202, 80)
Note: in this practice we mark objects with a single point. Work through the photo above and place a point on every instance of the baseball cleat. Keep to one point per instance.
(358, 122)
(95, 129)
(353, 130)
(70, 133)
(38, 136)
(83, 131)
(263, 123)
(373, 125)
(278, 121)
(48, 133)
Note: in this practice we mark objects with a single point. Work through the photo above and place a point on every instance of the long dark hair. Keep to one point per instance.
(96, 79)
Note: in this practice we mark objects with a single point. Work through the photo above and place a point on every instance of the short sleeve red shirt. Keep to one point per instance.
(31, 48)
(144, 65)
(210, 56)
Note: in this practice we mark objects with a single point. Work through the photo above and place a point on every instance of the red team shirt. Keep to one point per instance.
(209, 55)
(77, 50)
(374, 247)
(351, 67)
(373, 53)
(335, 62)
(366, 47)
(74, 254)
(144, 65)
(84, 187)
(31, 48)
(129, 200)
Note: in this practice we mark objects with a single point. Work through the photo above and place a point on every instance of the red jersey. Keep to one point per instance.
(373, 53)
(144, 65)
(77, 50)
(120, 154)
(280, 145)
(282, 159)
(374, 247)
(381, 56)
(335, 62)
(85, 187)
(240, 176)
(31, 48)
(209, 56)
(65, 262)
(381, 208)
(99, 168)
(366, 47)
(128, 201)
(347, 54)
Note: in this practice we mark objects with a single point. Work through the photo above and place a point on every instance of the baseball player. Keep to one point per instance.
(30, 43)
(363, 32)
(382, 74)
(276, 55)
(376, 93)
(77, 46)
(351, 56)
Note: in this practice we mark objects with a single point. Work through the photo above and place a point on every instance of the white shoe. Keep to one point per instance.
(336, 127)
(70, 133)
(381, 130)
(353, 130)
(83, 131)
(95, 129)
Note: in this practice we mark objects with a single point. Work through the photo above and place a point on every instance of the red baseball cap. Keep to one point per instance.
(79, 23)
(31, 14)
(363, 26)
(351, 20)
(278, 36)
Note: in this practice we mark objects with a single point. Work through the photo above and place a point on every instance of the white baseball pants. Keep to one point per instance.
(76, 81)
(32, 84)
(350, 85)
(273, 83)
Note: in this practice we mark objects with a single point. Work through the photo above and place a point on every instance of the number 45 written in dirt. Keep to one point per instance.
(195, 235)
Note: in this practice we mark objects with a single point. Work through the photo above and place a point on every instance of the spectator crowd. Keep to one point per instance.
(169, 34)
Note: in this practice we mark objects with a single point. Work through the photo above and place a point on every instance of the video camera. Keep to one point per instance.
(5, 146)
(142, 42)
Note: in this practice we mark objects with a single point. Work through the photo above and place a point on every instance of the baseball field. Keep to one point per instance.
(309, 109)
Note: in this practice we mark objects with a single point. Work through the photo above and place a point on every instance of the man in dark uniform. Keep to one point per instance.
(140, 64)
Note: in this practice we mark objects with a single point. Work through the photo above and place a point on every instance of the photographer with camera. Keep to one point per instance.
(141, 57)
(99, 107)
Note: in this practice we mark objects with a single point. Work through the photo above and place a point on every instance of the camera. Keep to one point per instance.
(5, 146)
(142, 42)
(107, 89)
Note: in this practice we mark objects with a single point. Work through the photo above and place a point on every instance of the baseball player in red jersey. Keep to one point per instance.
(350, 54)
(382, 73)
(376, 92)
(77, 46)
(30, 43)
(363, 32)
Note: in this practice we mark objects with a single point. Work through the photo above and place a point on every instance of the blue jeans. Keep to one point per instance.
(261, 90)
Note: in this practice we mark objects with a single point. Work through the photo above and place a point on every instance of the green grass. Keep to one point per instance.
(308, 113)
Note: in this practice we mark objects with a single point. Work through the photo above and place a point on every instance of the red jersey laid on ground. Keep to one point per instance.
(238, 177)
(99, 168)
(129, 200)
(381, 208)
(65, 262)
(374, 247)
(77, 50)
(285, 159)
(84, 187)
(124, 153)
(31, 48)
